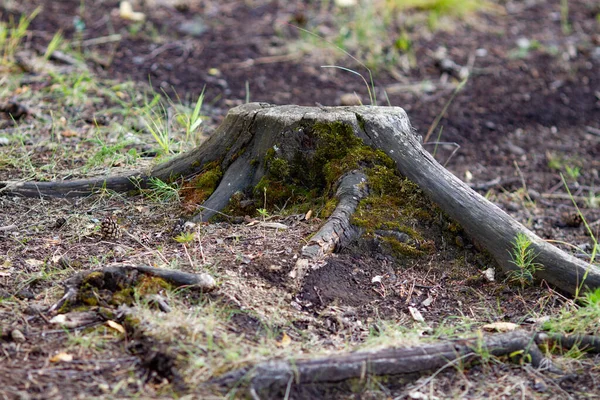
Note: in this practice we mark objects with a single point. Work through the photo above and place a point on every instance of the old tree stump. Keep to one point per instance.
(260, 145)
(300, 153)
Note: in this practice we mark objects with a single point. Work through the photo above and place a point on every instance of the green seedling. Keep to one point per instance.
(185, 237)
(564, 17)
(370, 87)
(581, 318)
(523, 257)
(573, 172)
(588, 229)
(190, 121)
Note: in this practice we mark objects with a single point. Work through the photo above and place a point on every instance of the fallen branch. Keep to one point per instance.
(271, 379)
(110, 280)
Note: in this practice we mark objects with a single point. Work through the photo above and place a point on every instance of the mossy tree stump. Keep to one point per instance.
(259, 146)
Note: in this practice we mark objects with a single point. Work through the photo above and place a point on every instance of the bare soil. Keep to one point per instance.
(521, 117)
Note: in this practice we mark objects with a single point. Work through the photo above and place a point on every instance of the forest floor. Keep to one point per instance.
(528, 112)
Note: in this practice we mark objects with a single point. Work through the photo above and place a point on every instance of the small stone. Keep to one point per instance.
(17, 336)
(533, 194)
(350, 99)
(489, 274)
(195, 27)
(539, 386)
(514, 149)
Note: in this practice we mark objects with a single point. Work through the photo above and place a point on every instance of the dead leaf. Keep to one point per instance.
(500, 327)
(427, 302)
(489, 274)
(116, 326)
(126, 12)
(308, 215)
(32, 262)
(285, 341)
(69, 133)
(61, 357)
(416, 314)
(75, 319)
(273, 225)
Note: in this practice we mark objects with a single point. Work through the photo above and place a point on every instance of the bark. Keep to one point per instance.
(588, 343)
(249, 131)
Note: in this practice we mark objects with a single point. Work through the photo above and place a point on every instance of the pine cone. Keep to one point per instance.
(110, 229)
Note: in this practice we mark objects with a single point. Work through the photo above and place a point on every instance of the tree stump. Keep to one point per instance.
(259, 141)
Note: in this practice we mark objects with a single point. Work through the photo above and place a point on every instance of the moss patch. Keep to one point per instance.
(201, 186)
(302, 178)
(112, 288)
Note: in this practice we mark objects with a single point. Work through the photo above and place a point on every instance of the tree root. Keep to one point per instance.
(337, 231)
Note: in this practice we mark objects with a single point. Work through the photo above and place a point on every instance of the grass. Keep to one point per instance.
(12, 33)
(574, 318)
(585, 223)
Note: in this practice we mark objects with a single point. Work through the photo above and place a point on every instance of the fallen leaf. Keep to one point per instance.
(308, 215)
(116, 326)
(59, 319)
(500, 327)
(61, 357)
(69, 133)
(416, 314)
(427, 302)
(32, 262)
(285, 341)
(274, 225)
(489, 274)
(126, 12)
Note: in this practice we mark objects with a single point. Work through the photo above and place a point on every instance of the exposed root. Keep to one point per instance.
(337, 231)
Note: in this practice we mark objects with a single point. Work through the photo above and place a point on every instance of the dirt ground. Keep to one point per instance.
(527, 113)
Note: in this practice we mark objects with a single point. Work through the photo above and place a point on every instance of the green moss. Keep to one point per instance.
(148, 284)
(208, 179)
(203, 185)
(95, 279)
(125, 296)
(308, 176)
(400, 249)
(328, 208)
(279, 168)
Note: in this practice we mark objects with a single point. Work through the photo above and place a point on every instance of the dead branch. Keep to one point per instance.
(271, 379)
